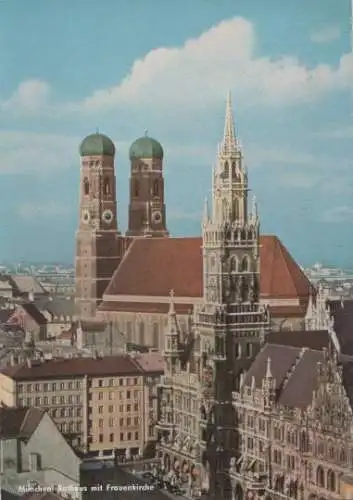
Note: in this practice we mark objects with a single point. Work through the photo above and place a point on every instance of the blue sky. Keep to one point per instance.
(67, 68)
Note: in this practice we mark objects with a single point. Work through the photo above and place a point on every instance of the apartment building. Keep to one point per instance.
(101, 405)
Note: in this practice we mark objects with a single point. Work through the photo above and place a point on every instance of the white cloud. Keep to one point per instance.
(199, 72)
(39, 209)
(326, 34)
(197, 75)
(338, 214)
(31, 152)
(31, 96)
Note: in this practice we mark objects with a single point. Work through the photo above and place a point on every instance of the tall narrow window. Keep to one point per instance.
(156, 188)
(136, 188)
(106, 186)
(86, 186)
(142, 334)
(155, 340)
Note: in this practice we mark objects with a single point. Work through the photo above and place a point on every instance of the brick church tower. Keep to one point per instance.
(99, 246)
(147, 212)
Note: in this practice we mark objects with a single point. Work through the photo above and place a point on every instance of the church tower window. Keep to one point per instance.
(106, 186)
(156, 188)
(86, 186)
(136, 188)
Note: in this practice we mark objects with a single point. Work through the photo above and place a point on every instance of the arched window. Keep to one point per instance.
(237, 350)
(85, 186)
(226, 169)
(236, 213)
(245, 291)
(244, 264)
(142, 333)
(136, 188)
(156, 188)
(106, 185)
(233, 264)
(320, 477)
(331, 481)
(155, 340)
(304, 442)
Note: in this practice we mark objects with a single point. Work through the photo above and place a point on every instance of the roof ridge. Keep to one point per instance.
(289, 260)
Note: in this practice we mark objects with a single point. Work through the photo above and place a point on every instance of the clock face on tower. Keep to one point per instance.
(107, 216)
(85, 216)
(157, 217)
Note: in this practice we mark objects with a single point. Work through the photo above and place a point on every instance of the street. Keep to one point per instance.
(116, 477)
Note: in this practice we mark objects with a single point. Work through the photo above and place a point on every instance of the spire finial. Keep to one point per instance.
(171, 302)
(146, 133)
(229, 143)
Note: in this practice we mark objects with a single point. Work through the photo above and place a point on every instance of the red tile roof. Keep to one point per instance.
(74, 367)
(154, 266)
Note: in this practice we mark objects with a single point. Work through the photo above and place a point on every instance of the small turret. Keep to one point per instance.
(268, 387)
(172, 337)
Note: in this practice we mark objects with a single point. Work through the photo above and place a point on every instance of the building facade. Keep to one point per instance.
(99, 404)
(197, 422)
(29, 437)
(98, 246)
(147, 211)
(295, 426)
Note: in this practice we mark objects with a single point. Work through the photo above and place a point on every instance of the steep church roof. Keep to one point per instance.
(153, 266)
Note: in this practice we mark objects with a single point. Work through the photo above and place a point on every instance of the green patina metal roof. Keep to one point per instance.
(146, 147)
(97, 145)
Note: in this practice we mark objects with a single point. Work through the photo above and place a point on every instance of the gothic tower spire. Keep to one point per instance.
(229, 143)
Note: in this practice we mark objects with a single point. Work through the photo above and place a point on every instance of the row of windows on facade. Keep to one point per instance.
(106, 186)
(77, 384)
(141, 337)
(69, 427)
(123, 422)
(112, 437)
(296, 438)
(50, 387)
(155, 189)
(46, 400)
(122, 408)
(113, 382)
(110, 395)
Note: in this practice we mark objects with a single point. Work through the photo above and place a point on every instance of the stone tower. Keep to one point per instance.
(98, 246)
(147, 212)
(231, 324)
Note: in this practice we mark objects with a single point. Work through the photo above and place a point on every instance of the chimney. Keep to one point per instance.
(12, 359)
(31, 296)
(29, 362)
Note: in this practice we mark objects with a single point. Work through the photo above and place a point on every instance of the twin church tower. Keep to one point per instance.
(99, 244)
